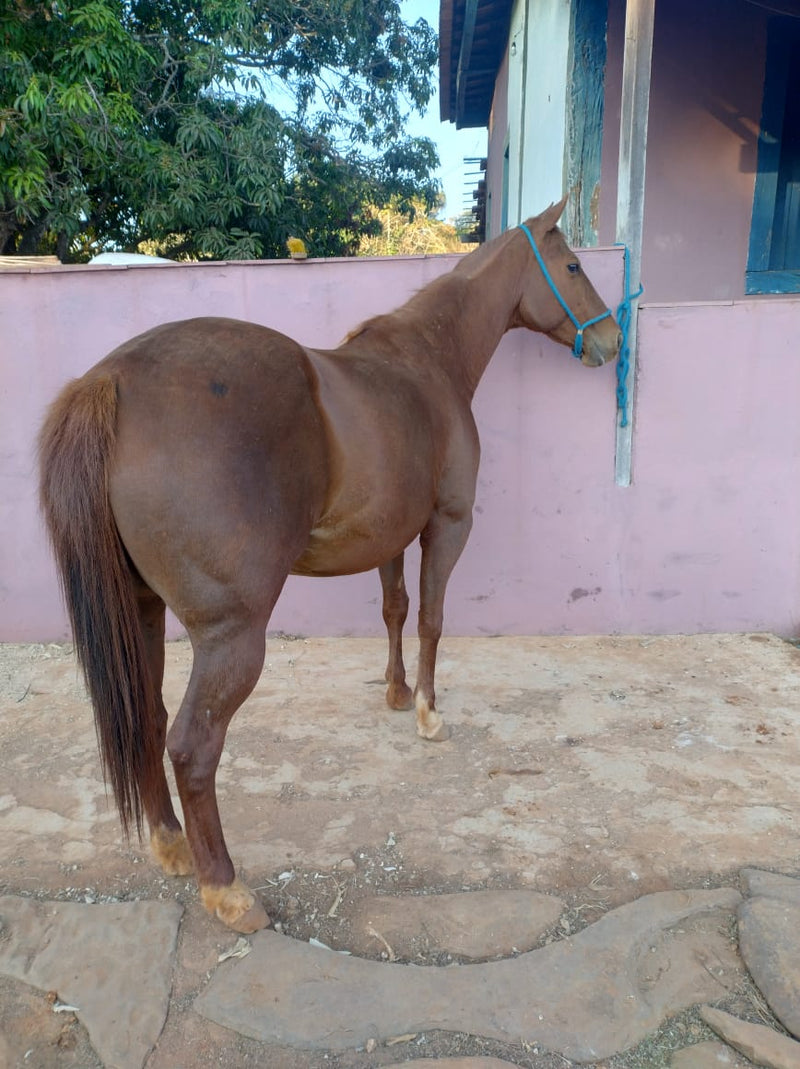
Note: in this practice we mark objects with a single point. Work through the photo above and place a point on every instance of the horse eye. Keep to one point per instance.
(573, 268)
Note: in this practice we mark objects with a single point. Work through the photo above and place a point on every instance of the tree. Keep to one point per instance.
(418, 234)
(215, 129)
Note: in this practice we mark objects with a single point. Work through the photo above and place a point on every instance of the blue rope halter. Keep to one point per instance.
(577, 347)
(624, 313)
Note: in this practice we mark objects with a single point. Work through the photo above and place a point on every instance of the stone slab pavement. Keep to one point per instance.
(599, 867)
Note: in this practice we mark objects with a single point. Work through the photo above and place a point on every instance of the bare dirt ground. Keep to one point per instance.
(595, 769)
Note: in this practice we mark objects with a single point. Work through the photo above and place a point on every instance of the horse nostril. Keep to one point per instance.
(619, 340)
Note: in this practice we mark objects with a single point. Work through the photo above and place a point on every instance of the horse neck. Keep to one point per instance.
(457, 321)
(486, 288)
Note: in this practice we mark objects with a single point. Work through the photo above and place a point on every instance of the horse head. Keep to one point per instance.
(558, 299)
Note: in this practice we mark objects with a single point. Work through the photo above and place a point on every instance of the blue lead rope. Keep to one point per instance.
(624, 311)
(577, 347)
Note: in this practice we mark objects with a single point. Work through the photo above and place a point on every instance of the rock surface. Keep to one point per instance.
(769, 942)
(5, 1052)
(112, 962)
(708, 1056)
(758, 883)
(586, 997)
(763, 1046)
(454, 1063)
(598, 769)
(472, 924)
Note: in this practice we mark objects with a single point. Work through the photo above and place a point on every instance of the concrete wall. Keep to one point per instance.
(705, 110)
(707, 538)
(534, 79)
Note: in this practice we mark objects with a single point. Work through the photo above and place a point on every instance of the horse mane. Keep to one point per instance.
(444, 293)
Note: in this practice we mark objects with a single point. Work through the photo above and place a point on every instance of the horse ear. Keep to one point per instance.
(548, 220)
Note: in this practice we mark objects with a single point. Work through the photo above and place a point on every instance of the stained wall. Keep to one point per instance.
(706, 539)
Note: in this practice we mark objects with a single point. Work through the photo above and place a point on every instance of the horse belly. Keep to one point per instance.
(382, 451)
(368, 522)
(358, 544)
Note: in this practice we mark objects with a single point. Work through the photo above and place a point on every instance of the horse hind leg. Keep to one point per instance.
(395, 611)
(167, 841)
(227, 663)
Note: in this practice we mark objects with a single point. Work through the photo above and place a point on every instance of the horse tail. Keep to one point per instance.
(76, 444)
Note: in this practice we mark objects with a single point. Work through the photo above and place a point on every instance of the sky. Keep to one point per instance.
(453, 145)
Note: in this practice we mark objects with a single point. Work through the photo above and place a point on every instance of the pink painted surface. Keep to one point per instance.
(707, 538)
(705, 110)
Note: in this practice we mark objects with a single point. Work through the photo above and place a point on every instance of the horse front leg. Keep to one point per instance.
(395, 611)
(442, 542)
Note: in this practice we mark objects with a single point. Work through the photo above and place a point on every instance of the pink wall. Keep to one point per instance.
(705, 109)
(707, 538)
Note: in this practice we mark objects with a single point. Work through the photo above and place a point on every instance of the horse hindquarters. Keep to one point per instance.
(219, 476)
(118, 628)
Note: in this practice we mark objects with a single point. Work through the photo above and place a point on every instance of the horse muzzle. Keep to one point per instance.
(601, 344)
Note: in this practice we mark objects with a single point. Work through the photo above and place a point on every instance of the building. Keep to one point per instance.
(706, 103)
(676, 126)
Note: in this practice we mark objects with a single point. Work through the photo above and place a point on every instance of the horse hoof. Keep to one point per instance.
(430, 725)
(252, 920)
(399, 696)
(236, 906)
(439, 734)
(171, 849)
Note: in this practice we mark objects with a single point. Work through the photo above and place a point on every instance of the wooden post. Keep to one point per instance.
(639, 19)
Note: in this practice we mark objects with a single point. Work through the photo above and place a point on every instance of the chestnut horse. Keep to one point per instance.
(202, 462)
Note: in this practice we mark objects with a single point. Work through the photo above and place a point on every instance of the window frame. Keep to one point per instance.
(783, 39)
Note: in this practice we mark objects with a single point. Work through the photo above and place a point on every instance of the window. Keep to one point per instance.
(773, 264)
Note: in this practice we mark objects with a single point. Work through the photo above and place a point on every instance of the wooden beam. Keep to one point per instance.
(639, 20)
(585, 105)
(464, 57)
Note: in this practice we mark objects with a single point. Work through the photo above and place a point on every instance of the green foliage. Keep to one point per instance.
(212, 130)
(419, 234)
